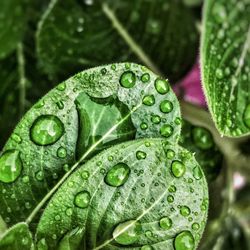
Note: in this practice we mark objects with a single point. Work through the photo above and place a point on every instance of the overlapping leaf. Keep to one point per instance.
(144, 194)
(225, 61)
(80, 117)
(78, 34)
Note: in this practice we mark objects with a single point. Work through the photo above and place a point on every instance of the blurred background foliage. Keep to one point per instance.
(45, 42)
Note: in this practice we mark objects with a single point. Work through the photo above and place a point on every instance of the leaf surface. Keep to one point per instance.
(136, 194)
(78, 34)
(225, 62)
(81, 116)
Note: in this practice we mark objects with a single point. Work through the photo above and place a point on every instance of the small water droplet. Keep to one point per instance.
(178, 169)
(170, 198)
(165, 223)
(156, 119)
(161, 86)
(172, 189)
(127, 233)
(145, 78)
(39, 175)
(148, 100)
(185, 211)
(69, 211)
(140, 155)
(16, 138)
(184, 241)
(128, 79)
(144, 126)
(85, 175)
(219, 74)
(166, 106)
(61, 86)
(166, 130)
(46, 130)
(197, 173)
(146, 247)
(61, 152)
(202, 138)
(219, 12)
(170, 154)
(195, 226)
(117, 175)
(82, 199)
(10, 166)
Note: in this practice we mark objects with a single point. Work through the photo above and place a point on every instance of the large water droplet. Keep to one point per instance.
(178, 169)
(202, 138)
(246, 116)
(127, 233)
(10, 166)
(46, 130)
(184, 241)
(161, 86)
(166, 130)
(165, 223)
(82, 199)
(117, 175)
(128, 79)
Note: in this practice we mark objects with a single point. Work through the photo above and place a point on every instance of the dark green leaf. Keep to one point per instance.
(139, 193)
(81, 116)
(225, 61)
(200, 141)
(78, 34)
(12, 25)
(16, 238)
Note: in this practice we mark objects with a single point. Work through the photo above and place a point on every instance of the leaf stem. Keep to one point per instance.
(22, 79)
(129, 40)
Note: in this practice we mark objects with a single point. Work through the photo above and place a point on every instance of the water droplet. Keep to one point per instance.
(46, 130)
(117, 175)
(16, 138)
(170, 198)
(128, 79)
(184, 241)
(166, 130)
(161, 86)
(104, 71)
(202, 138)
(178, 169)
(197, 173)
(195, 226)
(144, 126)
(61, 152)
(82, 199)
(140, 155)
(156, 119)
(146, 247)
(165, 223)
(25, 179)
(61, 86)
(219, 12)
(10, 166)
(85, 175)
(145, 78)
(127, 233)
(185, 211)
(166, 106)
(246, 116)
(219, 74)
(170, 154)
(39, 175)
(69, 211)
(60, 104)
(57, 217)
(149, 100)
(172, 189)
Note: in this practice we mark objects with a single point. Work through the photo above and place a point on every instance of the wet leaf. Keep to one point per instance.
(76, 34)
(17, 237)
(225, 62)
(118, 200)
(81, 116)
(200, 141)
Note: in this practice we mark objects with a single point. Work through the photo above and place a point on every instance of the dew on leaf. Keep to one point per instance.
(202, 138)
(144, 126)
(10, 166)
(61, 152)
(46, 130)
(195, 226)
(162, 86)
(117, 175)
(197, 173)
(146, 247)
(185, 211)
(184, 241)
(219, 74)
(178, 169)
(148, 100)
(166, 130)
(82, 199)
(170, 154)
(128, 79)
(246, 116)
(85, 175)
(170, 198)
(140, 155)
(145, 78)
(127, 233)
(39, 175)
(61, 86)
(165, 223)
(156, 119)
(16, 138)
(172, 189)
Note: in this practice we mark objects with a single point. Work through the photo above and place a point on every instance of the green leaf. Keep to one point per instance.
(200, 141)
(225, 62)
(144, 192)
(12, 25)
(77, 119)
(16, 238)
(78, 34)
